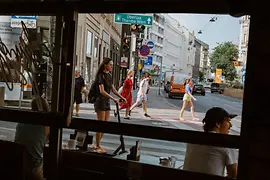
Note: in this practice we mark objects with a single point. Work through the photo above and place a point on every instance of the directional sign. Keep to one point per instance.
(150, 44)
(29, 21)
(145, 50)
(148, 62)
(133, 19)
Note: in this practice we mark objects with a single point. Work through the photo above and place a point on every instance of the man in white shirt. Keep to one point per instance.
(210, 159)
(142, 94)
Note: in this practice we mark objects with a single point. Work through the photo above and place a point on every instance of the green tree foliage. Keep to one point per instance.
(201, 76)
(222, 58)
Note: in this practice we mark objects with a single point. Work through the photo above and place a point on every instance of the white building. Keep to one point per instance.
(243, 46)
(179, 50)
(157, 36)
(173, 44)
(244, 34)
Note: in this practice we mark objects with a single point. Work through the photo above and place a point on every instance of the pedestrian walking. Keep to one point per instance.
(102, 103)
(79, 89)
(142, 94)
(127, 93)
(187, 100)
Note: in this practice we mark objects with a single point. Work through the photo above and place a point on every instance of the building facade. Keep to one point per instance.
(196, 67)
(244, 34)
(201, 59)
(98, 37)
(173, 45)
(243, 47)
(178, 50)
(156, 32)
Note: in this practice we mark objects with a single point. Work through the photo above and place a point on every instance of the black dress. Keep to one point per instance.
(103, 103)
(79, 84)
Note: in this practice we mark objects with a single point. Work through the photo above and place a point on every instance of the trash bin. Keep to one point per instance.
(2, 96)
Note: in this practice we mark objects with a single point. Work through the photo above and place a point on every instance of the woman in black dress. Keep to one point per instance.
(102, 104)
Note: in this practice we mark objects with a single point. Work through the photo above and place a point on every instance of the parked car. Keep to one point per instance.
(198, 89)
(217, 87)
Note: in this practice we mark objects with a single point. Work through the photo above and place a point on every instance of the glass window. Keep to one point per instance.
(96, 47)
(89, 44)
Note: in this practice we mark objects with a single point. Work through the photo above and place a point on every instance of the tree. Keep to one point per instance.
(201, 76)
(223, 57)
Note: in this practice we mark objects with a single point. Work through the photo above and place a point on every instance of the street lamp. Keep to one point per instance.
(160, 76)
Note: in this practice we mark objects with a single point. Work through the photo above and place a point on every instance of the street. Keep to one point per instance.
(203, 103)
(164, 112)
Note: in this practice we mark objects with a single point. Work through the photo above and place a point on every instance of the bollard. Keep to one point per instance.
(2, 96)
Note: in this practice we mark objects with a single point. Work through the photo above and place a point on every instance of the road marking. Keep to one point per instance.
(8, 129)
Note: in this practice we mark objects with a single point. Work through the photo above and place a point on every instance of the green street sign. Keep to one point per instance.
(133, 19)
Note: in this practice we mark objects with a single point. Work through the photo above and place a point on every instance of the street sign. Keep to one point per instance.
(133, 19)
(145, 50)
(150, 44)
(124, 62)
(29, 21)
(148, 62)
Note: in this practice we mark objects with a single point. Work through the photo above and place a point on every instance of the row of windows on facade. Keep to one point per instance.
(89, 48)
(156, 38)
(158, 29)
(159, 19)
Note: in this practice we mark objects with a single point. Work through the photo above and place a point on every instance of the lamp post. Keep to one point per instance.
(160, 77)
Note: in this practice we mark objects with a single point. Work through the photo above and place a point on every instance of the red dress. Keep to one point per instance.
(126, 93)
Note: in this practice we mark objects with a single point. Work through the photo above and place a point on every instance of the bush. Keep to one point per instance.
(237, 85)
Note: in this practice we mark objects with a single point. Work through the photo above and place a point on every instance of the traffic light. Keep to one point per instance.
(137, 28)
(141, 28)
(139, 43)
(235, 63)
(126, 44)
(133, 27)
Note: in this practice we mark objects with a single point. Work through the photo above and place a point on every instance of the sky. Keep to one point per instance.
(225, 28)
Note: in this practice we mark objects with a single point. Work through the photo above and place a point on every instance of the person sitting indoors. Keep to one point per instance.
(210, 159)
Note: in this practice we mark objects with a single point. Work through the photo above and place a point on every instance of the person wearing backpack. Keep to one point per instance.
(104, 85)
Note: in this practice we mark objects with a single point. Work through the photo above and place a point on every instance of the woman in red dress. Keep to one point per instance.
(127, 93)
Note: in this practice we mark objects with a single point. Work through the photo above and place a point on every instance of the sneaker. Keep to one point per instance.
(128, 118)
(101, 150)
(181, 119)
(146, 115)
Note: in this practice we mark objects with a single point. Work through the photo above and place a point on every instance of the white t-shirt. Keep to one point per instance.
(209, 159)
(143, 86)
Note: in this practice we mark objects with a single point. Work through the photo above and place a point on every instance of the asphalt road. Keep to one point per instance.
(203, 103)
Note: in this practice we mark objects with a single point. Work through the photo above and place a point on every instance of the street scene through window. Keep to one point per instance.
(178, 71)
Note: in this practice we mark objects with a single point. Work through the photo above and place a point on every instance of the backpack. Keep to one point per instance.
(93, 93)
(120, 90)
